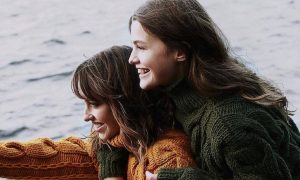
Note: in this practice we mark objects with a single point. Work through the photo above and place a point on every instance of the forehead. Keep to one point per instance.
(138, 33)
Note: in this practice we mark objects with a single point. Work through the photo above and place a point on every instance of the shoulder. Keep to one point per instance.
(232, 104)
(235, 117)
(239, 109)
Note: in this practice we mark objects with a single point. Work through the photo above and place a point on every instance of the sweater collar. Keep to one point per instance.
(184, 95)
(117, 141)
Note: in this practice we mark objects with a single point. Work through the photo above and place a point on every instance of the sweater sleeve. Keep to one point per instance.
(172, 150)
(187, 172)
(257, 146)
(243, 147)
(44, 158)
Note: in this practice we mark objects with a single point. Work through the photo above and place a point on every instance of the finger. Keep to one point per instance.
(150, 176)
(154, 176)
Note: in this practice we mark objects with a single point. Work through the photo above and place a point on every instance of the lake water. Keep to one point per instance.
(42, 42)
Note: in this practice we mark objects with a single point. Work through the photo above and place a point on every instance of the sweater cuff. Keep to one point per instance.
(169, 174)
(113, 162)
(182, 173)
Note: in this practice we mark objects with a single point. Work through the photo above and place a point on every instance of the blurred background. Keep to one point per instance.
(42, 42)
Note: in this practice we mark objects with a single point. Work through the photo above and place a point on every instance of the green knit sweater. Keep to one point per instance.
(232, 138)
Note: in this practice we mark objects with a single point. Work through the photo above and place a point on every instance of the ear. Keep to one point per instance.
(180, 55)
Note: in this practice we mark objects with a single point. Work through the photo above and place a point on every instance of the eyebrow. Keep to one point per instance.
(137, 41)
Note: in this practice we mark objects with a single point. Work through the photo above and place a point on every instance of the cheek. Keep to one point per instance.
(144, 58)
(112, 123)
(99, 115)
(147, 57)
(163, 64)
(114, 129)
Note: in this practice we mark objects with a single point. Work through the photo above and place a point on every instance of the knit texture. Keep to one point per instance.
(43, 158)
(232, 138)
(113, 161)
(171, 150)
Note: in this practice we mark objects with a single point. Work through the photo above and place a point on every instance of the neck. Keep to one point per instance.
(185, 97)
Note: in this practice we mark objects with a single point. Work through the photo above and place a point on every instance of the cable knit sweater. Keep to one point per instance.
(43, 158)
(172, 150)
(72, 158)
(232, 138)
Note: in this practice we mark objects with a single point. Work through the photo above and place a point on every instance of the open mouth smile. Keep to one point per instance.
(142, 71)
(99, 127)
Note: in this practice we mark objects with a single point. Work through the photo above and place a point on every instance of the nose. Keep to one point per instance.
(87, 116)
(133, 58)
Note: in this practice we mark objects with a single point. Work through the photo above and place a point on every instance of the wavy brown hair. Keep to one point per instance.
(212, 70)
(107, 77)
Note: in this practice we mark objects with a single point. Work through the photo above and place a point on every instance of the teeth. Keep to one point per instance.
(143, 71)
(98, 124)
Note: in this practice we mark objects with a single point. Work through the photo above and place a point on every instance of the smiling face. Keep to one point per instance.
(102, 119)
(156, 64)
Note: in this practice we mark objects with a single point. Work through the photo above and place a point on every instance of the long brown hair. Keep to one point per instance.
(107, 77)
(212, 70)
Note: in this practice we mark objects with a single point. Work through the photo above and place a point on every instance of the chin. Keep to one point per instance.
(143, 87)
(103, 137)
(146, 86)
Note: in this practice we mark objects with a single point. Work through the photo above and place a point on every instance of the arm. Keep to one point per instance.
(44, 158)
(259, 147)
(114, 178)
(171, 150)
(186, 167)
(242, 147)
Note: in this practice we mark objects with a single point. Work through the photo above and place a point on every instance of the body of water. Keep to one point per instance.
(42, 42)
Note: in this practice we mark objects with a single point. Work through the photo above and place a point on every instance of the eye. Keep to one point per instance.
(140, 47)
(93, 104)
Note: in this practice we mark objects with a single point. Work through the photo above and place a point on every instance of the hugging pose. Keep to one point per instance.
(176, 106)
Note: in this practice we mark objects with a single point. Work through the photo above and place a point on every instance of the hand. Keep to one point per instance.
(114, 178)
(150, 176)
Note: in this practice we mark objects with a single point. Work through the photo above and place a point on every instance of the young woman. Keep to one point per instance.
(124, 119)
(238, 123)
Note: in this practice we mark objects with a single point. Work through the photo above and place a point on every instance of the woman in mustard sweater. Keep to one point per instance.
(124, 119)
(238, 123)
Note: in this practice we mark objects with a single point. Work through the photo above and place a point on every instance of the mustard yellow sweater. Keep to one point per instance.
(172, 150)
(43, 158)
(72, 158)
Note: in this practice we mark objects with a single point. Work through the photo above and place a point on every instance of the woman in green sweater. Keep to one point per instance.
(238, 123)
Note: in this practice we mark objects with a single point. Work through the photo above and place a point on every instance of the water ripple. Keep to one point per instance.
(52, 76)
(19, 62)
(12, 133)
(85, 32)
(54, 42)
